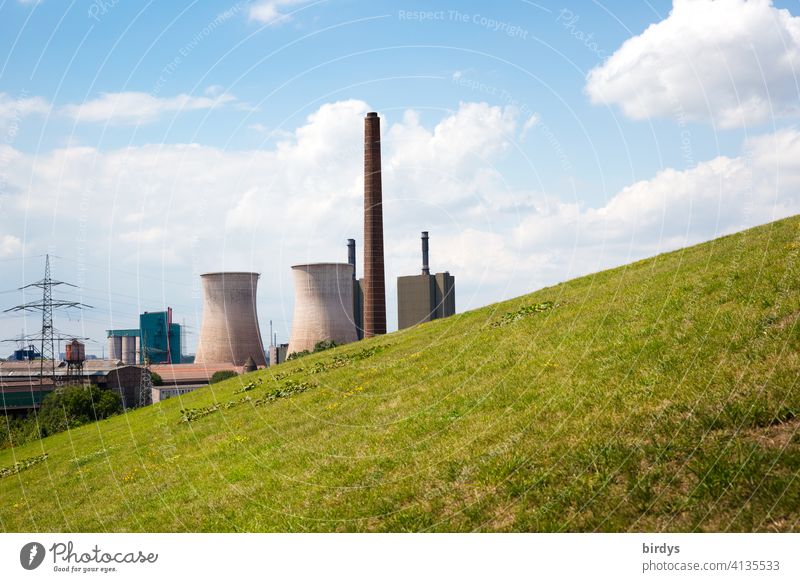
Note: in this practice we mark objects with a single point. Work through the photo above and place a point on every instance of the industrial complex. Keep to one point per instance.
(332, 306)
(156, 341)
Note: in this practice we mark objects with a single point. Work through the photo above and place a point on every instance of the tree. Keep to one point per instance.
(221, 375)
(73, 406)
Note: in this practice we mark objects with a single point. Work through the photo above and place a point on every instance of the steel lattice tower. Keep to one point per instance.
(145, 386)
(46, 306)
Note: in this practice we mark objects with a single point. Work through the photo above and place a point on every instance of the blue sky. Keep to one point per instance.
(146, 142)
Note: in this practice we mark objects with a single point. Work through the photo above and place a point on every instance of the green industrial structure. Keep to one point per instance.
(156, 341)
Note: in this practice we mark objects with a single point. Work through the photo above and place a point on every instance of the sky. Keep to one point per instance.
(145, 143)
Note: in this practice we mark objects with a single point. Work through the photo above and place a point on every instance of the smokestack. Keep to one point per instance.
(374, 279)
(425, 269)
(351, 254)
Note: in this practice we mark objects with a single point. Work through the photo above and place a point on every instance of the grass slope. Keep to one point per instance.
(657, 396)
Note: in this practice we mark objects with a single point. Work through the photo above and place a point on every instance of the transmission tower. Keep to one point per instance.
(46, 306)
(146, 380)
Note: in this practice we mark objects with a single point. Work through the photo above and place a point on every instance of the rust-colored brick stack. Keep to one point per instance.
(374, 278)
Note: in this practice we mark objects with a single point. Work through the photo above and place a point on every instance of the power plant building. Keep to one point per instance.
(230, 332)
(160, 339)
(323, 307)
(277, 354)
(358, 290)
(123, 345)
(157, 340)
(425, 297)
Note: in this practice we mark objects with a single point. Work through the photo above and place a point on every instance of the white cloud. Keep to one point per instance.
(529, 124)
(132, 107)
(9, 245)
(272, 11)
(733, 62)
(15, 109)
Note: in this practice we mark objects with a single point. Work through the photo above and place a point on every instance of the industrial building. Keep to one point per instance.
(124, 345)
(160, 338)
(323, 306)
(278, 354)
(157, 340)
(25, 353)
(358, 291)
(23, 389)
(229, 332)
(425, 297)
(185, 378)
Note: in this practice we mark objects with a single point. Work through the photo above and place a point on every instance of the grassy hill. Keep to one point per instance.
(657, 396)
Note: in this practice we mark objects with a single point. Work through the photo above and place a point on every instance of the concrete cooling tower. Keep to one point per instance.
(230, 333)
(323, 305)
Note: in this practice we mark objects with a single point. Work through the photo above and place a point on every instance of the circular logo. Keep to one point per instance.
(31, 555)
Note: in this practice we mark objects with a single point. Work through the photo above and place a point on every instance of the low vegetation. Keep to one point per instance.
(658, 396)
(221, 376)
(64, 408)
(318, 347)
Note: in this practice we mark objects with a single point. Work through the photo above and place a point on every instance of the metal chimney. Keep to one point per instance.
(351, 254)
(425, 269)
(374, 278)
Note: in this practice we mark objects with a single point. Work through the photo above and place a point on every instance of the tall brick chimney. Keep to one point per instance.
(374, 278)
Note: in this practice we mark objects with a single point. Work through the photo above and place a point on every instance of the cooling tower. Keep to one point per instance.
(230, 333)
(323, 305)
(374, 280)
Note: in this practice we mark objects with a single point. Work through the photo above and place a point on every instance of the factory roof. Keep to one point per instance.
(30, 368)
(190, 373)
(25, 384)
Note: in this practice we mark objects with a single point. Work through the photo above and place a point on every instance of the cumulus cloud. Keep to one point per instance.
(9, 245)
(678, 208)
(132, 107)
(16, 108)
(273, 11)
(732, 62)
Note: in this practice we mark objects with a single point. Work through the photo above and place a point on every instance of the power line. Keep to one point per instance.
(47, 305)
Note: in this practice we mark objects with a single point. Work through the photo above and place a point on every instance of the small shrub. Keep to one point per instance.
(156, 379)
(222, 375)
(324, 345)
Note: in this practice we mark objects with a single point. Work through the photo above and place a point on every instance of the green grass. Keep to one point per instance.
(657, 396)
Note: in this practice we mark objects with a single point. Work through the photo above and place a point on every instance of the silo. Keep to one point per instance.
(323, 305)
(129, 349)
(229, 333)
(114, 347)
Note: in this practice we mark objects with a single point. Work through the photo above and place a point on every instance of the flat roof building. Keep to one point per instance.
(425, 297)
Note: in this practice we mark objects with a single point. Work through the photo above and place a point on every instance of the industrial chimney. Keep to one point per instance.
(230, 333)
(351, 254)
(323, 305)
(425, 269)
(374, 279)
